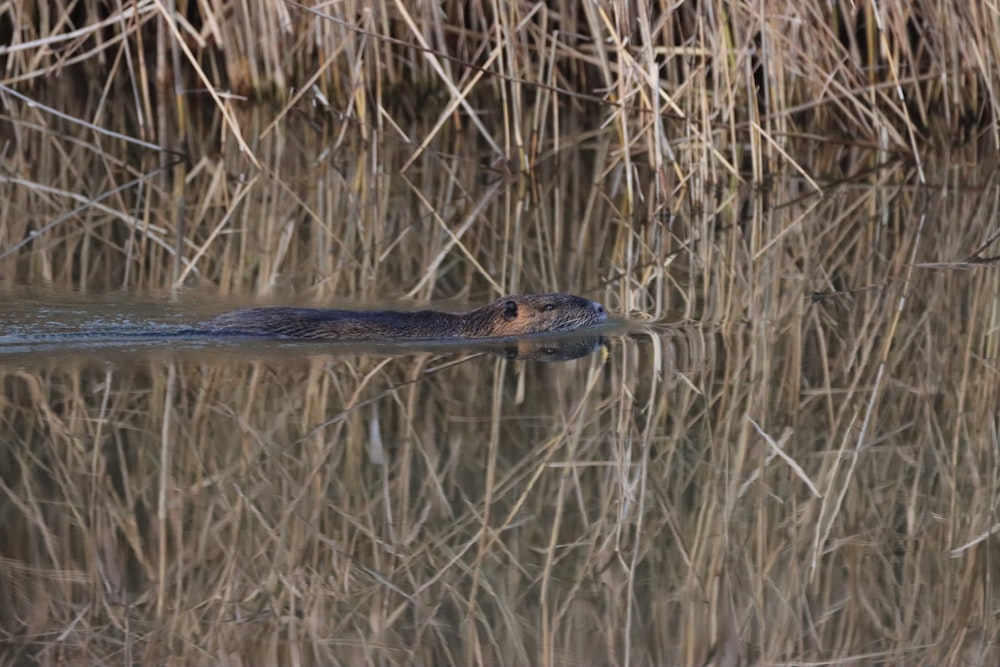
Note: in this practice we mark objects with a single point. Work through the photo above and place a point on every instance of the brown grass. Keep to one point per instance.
(802, 469)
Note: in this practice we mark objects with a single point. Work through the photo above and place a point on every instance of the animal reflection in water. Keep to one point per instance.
(552, 350)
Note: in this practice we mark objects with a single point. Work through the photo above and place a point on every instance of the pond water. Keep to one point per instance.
(790, 453)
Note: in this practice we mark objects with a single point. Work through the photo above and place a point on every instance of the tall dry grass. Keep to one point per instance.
(803, 470)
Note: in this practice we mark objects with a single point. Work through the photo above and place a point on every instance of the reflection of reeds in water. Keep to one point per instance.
(806, 471)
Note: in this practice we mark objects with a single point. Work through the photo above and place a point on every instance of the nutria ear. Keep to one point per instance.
(510, 310)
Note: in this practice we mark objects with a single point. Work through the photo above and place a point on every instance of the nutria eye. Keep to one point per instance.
(549, 306)
(510, 310)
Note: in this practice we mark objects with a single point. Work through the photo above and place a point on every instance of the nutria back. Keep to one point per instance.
(511, 316)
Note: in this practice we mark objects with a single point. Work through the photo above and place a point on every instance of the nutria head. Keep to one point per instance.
(532, 314)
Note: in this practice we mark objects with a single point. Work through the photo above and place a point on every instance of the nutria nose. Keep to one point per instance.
(601, 313)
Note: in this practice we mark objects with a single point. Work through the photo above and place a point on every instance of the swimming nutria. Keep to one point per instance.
(504, 318)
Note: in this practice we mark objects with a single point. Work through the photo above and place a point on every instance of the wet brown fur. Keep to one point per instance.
(510, 316)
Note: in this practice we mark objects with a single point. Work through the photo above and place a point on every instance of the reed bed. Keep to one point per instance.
(800, 468)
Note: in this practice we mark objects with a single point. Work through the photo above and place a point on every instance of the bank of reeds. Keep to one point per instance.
(804, 471)
(673, 78)
(698, 97)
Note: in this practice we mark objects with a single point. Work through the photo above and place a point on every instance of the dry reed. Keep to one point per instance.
(804, 470)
